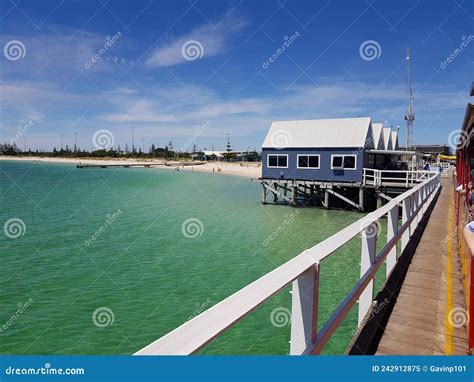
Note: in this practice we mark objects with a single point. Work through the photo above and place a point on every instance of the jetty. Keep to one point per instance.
(426, 302)
(429, 317)
(124, 165)
(414, 313)
(134, 164)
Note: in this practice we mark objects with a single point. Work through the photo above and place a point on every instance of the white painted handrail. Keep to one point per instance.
(303, 271)
(410, 178)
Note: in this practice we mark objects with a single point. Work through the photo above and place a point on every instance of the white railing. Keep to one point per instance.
(406, 178)
(303, 271)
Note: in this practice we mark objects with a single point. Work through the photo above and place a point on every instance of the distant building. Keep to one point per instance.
(327, 149)
(431, 151)
(219, 155)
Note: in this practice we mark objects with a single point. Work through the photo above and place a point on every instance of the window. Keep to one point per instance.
(308, 161)
(278, 161)
(343, 162)
(337, 161)
(349, 162)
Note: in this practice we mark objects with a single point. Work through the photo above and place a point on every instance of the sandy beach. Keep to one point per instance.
(246, 169)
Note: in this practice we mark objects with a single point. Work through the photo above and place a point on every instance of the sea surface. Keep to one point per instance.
(105, 261)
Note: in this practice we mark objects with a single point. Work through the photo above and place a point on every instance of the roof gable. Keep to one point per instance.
(320, 133)
(394, 140)
(386, 132)
(378, 137)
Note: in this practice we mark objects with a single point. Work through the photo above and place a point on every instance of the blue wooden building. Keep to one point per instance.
(320, 150)
(314, 157)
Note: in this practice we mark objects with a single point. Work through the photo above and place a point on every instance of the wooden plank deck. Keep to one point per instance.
(429, 316)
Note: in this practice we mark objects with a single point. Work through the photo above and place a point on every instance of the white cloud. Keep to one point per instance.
(211, 37)
(141, 111)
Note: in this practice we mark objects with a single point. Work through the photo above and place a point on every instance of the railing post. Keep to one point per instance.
(392, 229)
(406, 214)
(304, 311)
(420, 202)
(414, 206)
(367, 259)
(427, 189)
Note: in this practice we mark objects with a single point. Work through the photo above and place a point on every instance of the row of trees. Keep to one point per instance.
(166, 152)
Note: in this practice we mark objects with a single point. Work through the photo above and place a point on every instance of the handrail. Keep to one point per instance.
(303, 271)
(375, 177)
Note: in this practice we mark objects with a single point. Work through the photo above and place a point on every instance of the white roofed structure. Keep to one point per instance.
(377, 134)
(320, 133)
(394, 140)
(387, 138)
(218, 154)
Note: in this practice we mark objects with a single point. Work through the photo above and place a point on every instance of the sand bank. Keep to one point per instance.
(249, 170)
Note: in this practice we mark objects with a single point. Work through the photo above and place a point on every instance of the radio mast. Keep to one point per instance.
(410, 117)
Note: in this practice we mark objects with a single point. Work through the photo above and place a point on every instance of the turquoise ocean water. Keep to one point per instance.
(108, 260)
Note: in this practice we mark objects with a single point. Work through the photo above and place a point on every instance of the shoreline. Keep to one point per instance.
(251, 170)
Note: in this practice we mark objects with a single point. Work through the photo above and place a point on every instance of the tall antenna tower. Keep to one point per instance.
(229, 146)
(410, 117)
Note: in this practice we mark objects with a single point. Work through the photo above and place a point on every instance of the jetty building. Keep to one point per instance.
(352, 159)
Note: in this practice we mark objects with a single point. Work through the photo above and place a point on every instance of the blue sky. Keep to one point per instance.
(148, 79)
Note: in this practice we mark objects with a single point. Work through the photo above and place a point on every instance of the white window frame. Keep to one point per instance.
(281, 155)
(342, 168)
(308, 155)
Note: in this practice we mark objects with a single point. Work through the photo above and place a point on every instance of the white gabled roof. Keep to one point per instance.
(218, 154)
(394, 139)
(378, 138)
(327, 133)
(386, 131)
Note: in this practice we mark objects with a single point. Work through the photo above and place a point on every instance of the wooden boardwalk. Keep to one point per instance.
(429, 316)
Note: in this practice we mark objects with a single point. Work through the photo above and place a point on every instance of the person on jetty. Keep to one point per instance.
(468, 231)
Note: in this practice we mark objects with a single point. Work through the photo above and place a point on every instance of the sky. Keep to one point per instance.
(194, 71)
